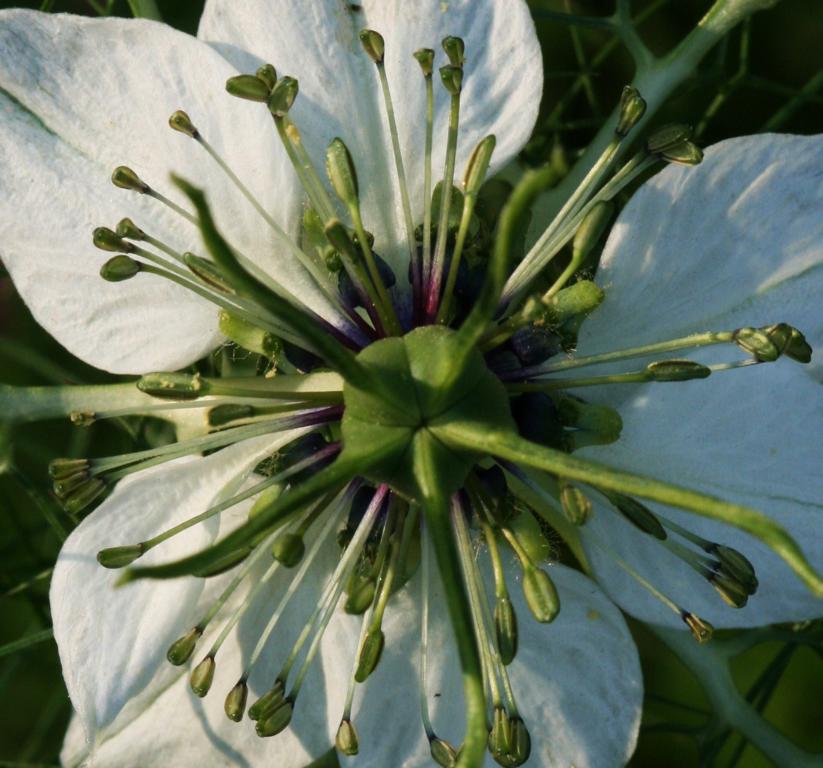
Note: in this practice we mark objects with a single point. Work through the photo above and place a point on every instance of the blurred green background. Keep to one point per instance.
(767, 75)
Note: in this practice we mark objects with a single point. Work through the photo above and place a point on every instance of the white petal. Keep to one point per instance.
(737, 241)
(179, 729)
(695, 244)
(579, 671)
(112, 641)
(318, 44)
(81, 96)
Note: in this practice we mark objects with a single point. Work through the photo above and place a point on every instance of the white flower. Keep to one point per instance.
(735, 242)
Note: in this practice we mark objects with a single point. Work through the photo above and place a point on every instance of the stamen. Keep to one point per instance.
(398, 157)
(125, 178)
(452, 78)
(425, 57)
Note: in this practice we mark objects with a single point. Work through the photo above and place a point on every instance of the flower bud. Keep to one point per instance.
(235, 704)
(119, 557)
(452, 79)
(249, 87)
(632, 108)
(171, 386)
(282, 96)
(125, 178)
(107, 240)
(181, 122)
(541, 594)
(455, 49)
(373, 44)
(575, 504)
(119, 268)
(677, 370)
(425, 58)
(202, 676)
(268, 74)
(288, 549)
(346, 740)
(505, 629)
(370, 654)
(443, 753)
(180, 650)
(342, 173)
(701, 630)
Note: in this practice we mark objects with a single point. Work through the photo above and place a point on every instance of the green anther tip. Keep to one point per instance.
(478, 164)
(107, 240)
(342, 173)
(268, 701)
(249, 87)
(125, 178)
(455, 49)
(360, 597)
(268, 74)
(370, 654)
(668, 137)
(202, 676)
(733, 592)
(346, 739)
(452, 79)
(632, 108)
(127, 228)
(119, 268)
(275, 721)
(576, 506)
(65, 485)
(541, 595)
(171, 386)
(639, 515)
(425, 58)
(677, 370)
(84, 495)
(119, 557)
(180, 650)
(443, 753)
(235, 704)
(521, 743)
(700, 629)
(181, 122)
(687, 153)
(734, 561)
(283, 96)
(373, 44)
(758, 343)
(59, 468)
(288, 549)
(505, 628)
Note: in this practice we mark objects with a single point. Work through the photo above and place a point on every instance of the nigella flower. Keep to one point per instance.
(313, 558)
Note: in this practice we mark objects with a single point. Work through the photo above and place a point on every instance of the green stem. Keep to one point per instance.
(438, 525)
(465, 435)
(26, 642)
(145, 9)
(710, 665)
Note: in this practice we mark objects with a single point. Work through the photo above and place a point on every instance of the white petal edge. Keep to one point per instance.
(340, 96)
(112, 642)
(80, 96)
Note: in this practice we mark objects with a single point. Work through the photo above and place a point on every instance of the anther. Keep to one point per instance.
(370, 654)
(425, 58)
(701, 629)
(250, 87)
(61, 468)
(346, 739)
(505, 629)
(207, 272)
(275, 721)
(120, 557)
(452, 79)
(455, 49)
(235, 704)
(443, 753)
(677, 370)
(282, 96)
(180, 650)
(342, 173)
(202, 676)
(373, 44)
(181, 122)
(125, 178)
(637, 514)
(107, 240)
(268, 74)
(288, 549)
(540, 593)
(269, 701)
(84, 495)
(171, 386)
(128, 229)
(575, 504)
(632, 108)
(249, 336)
(119, 268)
(673, 144)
